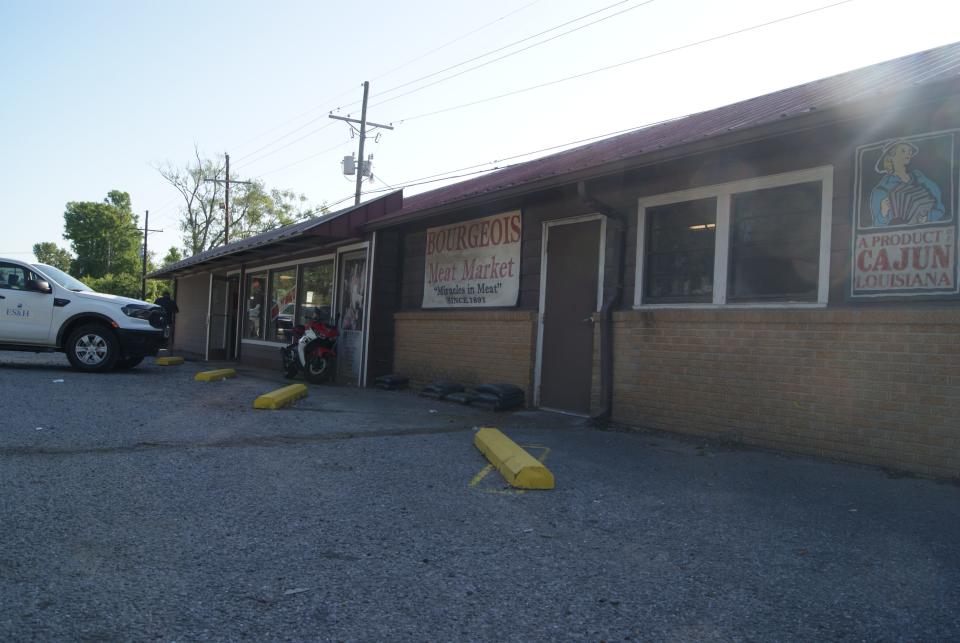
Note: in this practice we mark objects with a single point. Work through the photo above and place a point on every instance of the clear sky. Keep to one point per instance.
(97, 93)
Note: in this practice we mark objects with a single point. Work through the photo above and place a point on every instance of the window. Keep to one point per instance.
(316, 290)
(764, 240)
(775, 244)
(283, 299)
(15, 277)
(277, 298)
(256, 292)
(680, 251)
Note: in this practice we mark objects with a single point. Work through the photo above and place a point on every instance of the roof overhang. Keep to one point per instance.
(339, 227)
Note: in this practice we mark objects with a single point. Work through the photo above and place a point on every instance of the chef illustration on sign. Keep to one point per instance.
(903, 196)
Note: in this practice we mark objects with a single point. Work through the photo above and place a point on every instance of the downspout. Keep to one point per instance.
(611, 298)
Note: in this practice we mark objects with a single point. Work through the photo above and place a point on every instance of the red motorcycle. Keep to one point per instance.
(312, 349)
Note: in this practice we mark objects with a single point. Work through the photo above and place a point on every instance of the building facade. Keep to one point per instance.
(781, 272)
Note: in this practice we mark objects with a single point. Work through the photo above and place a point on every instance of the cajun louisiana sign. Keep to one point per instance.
(473, 264)
(905, 218)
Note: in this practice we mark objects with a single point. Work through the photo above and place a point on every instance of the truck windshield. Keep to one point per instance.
(63, 278)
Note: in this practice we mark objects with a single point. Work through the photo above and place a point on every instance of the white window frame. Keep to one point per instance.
(723, 192)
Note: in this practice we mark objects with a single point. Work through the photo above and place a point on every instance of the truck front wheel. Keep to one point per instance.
(92, 348)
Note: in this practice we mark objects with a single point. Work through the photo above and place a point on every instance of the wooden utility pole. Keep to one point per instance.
(226, 205)
(226, 200)
(363, 136)
(143, 273)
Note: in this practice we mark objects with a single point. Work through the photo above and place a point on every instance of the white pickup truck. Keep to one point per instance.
(43, 309)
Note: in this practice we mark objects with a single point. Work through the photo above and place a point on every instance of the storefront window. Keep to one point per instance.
(283, 301)
(316, 291)
(680, 251)
(775, 244)
(353, 283)
(253, 320)
(763, 241)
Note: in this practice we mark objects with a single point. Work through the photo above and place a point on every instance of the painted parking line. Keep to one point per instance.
(518, 468)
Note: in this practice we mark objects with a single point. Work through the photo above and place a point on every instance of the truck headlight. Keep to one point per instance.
(152, 314)
(140, 311)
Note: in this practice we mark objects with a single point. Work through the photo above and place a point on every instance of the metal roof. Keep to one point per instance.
(920, 69)
(342, 224)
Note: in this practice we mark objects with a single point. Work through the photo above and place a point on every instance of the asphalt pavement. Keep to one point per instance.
(145, 506)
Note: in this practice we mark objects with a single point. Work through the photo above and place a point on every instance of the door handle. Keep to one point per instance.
(2, 297)
(589, 319)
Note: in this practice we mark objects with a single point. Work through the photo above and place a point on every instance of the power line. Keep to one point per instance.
(626, 62)
(431, 179)
(554, 28)
(513, 53)
(326, 102)
(444, 176)
(307, 158)
(283, 147)
(455, 40)
(322, 105)
(277, 140)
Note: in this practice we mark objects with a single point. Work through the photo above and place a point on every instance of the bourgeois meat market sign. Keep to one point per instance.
(905, 218)
(473, 264)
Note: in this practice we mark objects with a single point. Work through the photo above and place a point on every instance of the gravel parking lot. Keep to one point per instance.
(147, 506)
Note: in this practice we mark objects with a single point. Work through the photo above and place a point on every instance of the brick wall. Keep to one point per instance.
(880, 386)
(473, 347)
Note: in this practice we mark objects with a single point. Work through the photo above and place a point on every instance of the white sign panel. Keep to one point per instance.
(473, 264)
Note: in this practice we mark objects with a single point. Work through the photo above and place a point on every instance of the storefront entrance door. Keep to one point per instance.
(567, 303)
(218, 332)
(351, 308)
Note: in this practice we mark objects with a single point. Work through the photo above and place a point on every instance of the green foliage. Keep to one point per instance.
(53, 255)
(128, 285)
(254, 210)
(173, 256)
(104, 236)
(125, 285)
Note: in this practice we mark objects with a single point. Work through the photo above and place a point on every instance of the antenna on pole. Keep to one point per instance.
(364, 167)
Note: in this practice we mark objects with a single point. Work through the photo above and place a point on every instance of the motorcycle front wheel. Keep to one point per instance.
(320, 369)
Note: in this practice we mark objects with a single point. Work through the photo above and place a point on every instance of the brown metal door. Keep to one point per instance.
(233, 303)
(570, 299)
(217, 323)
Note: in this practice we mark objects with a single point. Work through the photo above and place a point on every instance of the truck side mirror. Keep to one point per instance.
(38, 285)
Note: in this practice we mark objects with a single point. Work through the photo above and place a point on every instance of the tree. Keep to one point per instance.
(104, 236)
(53, 255)
(201, 221)
(124, 284)
(173, 256)
(252, 208)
